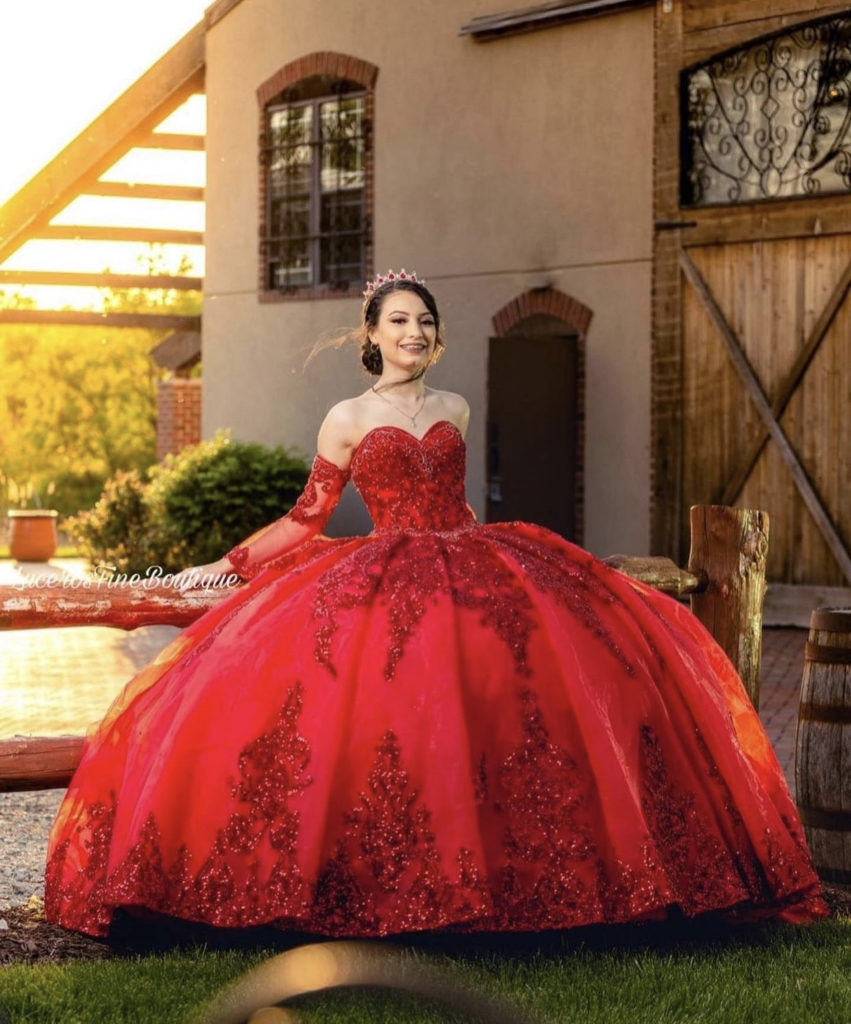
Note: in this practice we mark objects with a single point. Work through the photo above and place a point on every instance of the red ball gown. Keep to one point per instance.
(441, 725)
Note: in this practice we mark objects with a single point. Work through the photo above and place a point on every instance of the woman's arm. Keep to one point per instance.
(306, 518)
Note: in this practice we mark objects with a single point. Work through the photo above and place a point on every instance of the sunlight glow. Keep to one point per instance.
(98, 67)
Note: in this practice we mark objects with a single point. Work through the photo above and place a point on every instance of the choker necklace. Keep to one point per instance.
(402, 412)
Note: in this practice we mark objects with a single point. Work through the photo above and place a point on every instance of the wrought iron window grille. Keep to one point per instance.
(769, 120)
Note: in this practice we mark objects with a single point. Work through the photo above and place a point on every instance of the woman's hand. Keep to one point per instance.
(214, 574)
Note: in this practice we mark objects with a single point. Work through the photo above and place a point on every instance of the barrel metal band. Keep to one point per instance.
(818, 817)
(812, 711)
(836, 620)
(828, 655)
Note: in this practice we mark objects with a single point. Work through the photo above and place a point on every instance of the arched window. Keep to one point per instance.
(315, 160)
(316, 176)
(771, 120)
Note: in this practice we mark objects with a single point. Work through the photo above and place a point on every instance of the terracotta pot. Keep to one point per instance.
(33, 534)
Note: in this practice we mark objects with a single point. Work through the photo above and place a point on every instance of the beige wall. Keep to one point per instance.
(499, 167)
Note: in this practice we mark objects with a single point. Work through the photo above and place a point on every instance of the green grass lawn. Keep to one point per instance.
(758, 975)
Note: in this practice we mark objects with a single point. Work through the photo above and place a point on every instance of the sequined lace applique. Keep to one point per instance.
(388, 839)
(700, 868)
(225, 889)
(550, 873)
(573, 582)
(305, 519)
(406, 573)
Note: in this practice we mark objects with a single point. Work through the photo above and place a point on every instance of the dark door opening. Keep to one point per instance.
(532, 431)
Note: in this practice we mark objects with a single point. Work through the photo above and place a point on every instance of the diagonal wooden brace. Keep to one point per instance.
(754, 390)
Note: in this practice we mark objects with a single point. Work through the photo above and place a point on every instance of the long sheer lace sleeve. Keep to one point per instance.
(305, 519)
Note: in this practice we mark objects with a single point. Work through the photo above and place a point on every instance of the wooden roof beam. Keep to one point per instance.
(86, 318)
(486, 27)
(179, 282)
(130, 190)
(171, 140)
(165, 86)
(105, 233)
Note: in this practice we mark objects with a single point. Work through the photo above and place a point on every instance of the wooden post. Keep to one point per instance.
(729, 547)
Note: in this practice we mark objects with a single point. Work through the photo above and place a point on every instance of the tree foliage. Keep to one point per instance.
(78, 404)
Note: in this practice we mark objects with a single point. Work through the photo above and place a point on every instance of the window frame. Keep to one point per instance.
(295, 83)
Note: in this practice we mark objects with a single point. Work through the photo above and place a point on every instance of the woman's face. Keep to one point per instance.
(405, 332)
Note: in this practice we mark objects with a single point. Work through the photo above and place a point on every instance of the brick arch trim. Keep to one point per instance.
(548, 301)
(322, 62)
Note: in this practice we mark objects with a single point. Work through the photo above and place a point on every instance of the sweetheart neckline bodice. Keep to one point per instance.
(407, 433)
(416, 483)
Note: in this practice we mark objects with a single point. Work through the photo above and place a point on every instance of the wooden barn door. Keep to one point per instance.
(751, 358)
(767, 393)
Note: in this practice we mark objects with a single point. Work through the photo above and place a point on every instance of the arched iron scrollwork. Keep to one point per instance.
(770, 120)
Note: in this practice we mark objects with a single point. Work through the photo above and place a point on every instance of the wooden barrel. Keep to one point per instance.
(823, 743)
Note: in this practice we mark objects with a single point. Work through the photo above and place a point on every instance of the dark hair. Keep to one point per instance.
(370, 353)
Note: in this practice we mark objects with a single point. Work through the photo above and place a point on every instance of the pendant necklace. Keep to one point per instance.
(413, 419)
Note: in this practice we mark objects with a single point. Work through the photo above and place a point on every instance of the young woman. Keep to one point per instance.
(442, 725)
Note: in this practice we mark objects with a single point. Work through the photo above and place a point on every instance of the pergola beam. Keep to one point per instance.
(60, 277)
(164, 87)
(131, 190)
(171, 140)
(86, 318)
(105, 233)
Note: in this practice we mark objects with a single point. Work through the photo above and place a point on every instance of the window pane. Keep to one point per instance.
(770, 120)
(290, 218)
(341, 259)
(290, 150)
(342, 142)
(291, 268)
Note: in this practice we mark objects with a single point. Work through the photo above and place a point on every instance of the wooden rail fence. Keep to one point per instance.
(725, 579)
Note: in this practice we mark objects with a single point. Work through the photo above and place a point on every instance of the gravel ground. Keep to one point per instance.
(26, 819)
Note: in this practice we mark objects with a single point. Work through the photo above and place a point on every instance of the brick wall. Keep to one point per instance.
(178, 414)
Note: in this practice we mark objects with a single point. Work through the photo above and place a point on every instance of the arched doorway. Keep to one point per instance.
(535, 423)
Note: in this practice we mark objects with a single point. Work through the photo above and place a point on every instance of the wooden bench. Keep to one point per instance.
(725, 579)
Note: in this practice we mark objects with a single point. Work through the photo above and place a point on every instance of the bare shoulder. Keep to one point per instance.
(339, 432)
(453, 407)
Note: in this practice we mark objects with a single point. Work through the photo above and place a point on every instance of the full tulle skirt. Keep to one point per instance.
(486, 729)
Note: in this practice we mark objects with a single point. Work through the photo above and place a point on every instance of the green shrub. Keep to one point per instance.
(192, 508)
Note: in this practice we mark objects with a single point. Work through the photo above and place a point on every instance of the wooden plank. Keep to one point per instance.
(177, 282)
(132, 190)
(82, 318)
(485, 27)
(38, 762)
(171, 140)
(658, 572)
(774, 219)
(789, 604)
(164, 87)
(712, 28)
(787, 388)
(104, 233)
(104, 603)
(667, 514)
(758, 398)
